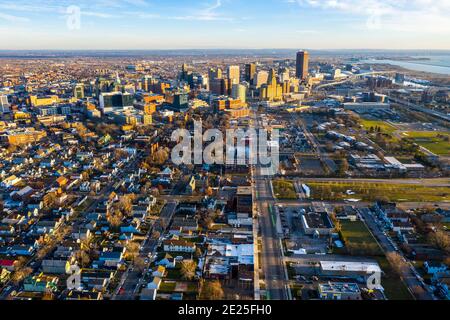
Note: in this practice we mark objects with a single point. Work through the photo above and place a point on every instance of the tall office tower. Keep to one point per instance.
(302, 65)
(180, 101)
(286, 86)
(113, 101)
(4, 104)
(78, 91)
(250, 72)
(284, 75)
(218, 86)
(184, 72)
(272, 90)
(234, 73)
(215, 74)
(272, 77)
(147, 82)
(261, 78)
(239, 91)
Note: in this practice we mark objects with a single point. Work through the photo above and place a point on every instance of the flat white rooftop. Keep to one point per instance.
(350, 266)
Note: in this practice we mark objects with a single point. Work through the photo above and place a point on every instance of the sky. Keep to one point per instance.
(224, 24)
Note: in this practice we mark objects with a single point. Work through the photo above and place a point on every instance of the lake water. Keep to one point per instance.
(435, 64)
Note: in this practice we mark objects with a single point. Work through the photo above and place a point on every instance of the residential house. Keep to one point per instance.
(433, 268)
(54, 266)
(41, 283)
(167, 261)
(8, 264)
(179, 246)
(159, 272)
(155, 283)
(148, 294)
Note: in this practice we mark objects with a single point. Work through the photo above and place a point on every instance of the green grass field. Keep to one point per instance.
(370, 191)
(284, 189)
(432, 140)
(394, 287)
(383, 125)
(357, 232)
(358, 239)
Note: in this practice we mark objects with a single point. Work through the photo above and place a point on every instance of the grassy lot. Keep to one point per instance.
(357, 233)
(394, 287)
(284, 189)
(167, 287)
(434, 141)
(371, 191)
(174, 274)
(358, 239)
(383, 125)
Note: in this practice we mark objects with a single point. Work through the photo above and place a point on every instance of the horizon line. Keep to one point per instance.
(238, 49)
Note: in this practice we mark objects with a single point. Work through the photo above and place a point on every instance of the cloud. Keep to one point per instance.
(98, 14)
(207, 14)
(424, 16)
(12, 18)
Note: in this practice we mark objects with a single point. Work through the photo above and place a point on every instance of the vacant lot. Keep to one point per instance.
(357, 235)
(383, 126)
(356, 232)
(284, 189)
(358, 239)
(369, 191)
(436, 142)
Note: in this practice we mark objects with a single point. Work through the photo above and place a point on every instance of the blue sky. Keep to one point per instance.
(186, 24)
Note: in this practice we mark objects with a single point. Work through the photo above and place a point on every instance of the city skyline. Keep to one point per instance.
(224, 24)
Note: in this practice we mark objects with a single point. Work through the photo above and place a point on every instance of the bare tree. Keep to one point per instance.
(440, 240)
(188, 268)
(21, 274)
(212, 290)
(397, 262)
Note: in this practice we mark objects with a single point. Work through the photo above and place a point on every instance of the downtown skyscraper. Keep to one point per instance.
(302, 65)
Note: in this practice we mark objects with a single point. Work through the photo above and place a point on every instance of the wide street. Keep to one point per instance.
(271, 255)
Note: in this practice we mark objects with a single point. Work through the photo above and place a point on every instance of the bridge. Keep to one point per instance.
(352, 78)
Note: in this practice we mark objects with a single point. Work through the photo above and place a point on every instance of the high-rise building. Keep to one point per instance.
(284, 75)
(239, 91)
(147, 82)
(215, 74)
(261, 78)
(181, 101)
(112, 101)
(250, 72)
(399, 78)
(234, 74)
(302, 65)
(185, 72)
(272, 90)
(4, 104)
(218, 86)
(78, 91)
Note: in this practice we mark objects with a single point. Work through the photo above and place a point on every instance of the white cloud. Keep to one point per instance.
(207, 14)
(422, 16)
(12, 18)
